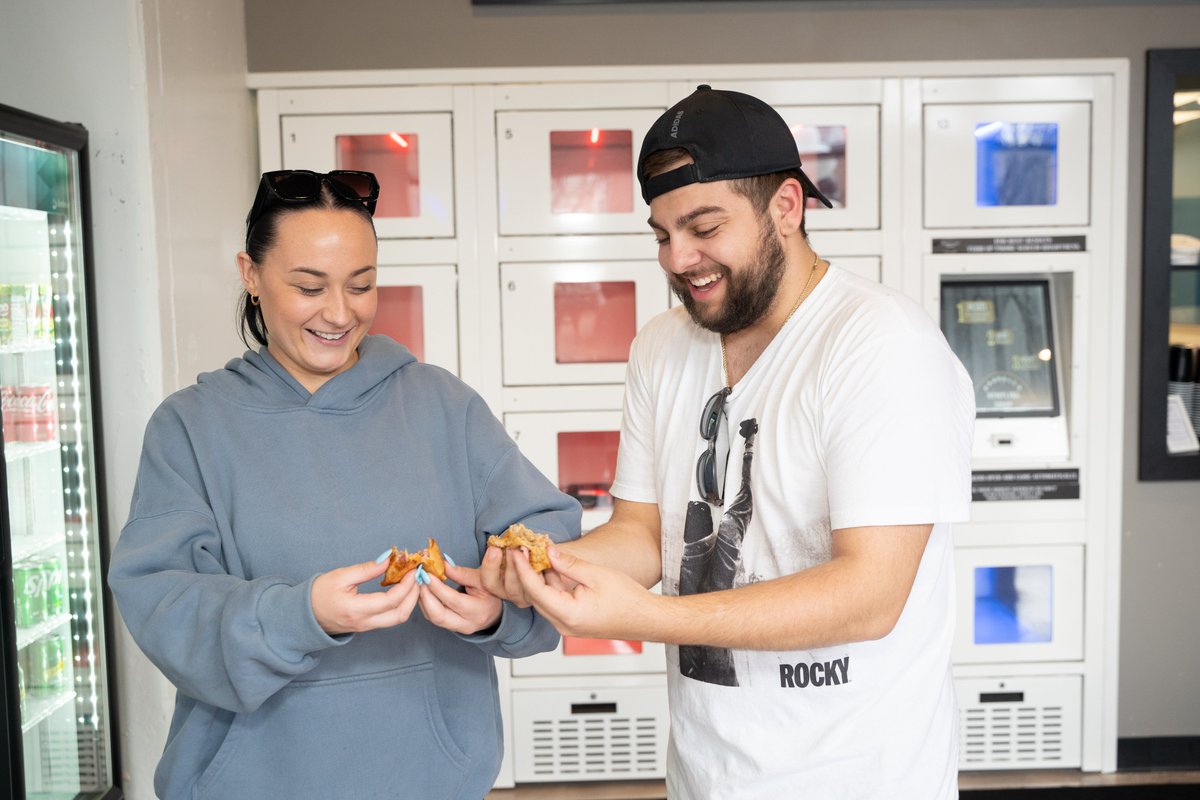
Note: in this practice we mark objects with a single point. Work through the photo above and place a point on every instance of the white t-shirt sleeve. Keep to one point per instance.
(634, 480)
(898, 411)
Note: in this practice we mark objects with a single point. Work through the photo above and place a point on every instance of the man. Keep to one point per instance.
(801, 538)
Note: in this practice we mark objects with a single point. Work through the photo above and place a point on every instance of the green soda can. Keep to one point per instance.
(28, 596)
(48, 663)
(52, 587)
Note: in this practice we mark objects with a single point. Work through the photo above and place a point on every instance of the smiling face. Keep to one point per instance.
(723, 260)
(316, 289)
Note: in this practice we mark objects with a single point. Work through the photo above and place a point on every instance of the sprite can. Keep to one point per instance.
(52, 587)
(48, 665)
(28, 596)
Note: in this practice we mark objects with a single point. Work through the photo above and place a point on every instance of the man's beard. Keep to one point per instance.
(749, 296)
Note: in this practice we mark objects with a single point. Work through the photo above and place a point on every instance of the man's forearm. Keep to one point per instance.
(857, 596)
(628, 542)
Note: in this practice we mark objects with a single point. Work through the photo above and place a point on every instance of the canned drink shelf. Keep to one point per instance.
(38, 709)
(24, 547)
(28, 347)
(25, 636)
(14, 451)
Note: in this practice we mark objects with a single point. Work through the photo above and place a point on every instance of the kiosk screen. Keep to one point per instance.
(1002, 331)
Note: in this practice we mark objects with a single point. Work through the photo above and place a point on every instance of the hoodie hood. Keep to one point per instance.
(257, 380)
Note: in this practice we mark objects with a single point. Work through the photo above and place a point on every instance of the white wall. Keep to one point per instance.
(160, 86)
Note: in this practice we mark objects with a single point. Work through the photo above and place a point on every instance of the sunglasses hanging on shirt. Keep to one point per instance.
(710, 479)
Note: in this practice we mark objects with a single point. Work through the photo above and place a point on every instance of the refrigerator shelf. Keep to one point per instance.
(29, 347)
(24, 547)
(40, 708)
(15, 451)
(26, 636)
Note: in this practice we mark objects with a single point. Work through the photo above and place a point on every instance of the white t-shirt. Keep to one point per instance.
(864, 417)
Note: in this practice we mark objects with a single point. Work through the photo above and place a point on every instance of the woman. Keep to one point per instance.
(296, 679)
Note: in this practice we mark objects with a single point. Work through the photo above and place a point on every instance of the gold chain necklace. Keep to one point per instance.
(808, 286)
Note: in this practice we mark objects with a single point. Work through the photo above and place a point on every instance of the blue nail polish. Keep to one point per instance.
(384, 556)
(449, 560)
(422, 578)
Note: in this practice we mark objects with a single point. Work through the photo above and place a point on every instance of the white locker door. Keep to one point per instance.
(571, 171)
(1007, 164)
(410, 154)
(575, 450)
(418, 307)
(839, 152)
(572, 322)
(1019, 604)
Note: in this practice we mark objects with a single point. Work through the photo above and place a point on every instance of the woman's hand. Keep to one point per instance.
(462, 612)
(340, 607)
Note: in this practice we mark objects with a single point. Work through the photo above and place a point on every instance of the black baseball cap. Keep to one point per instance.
(729, 135)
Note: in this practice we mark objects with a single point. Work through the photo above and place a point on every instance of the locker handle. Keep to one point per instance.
(1002, 697)
(593, 708)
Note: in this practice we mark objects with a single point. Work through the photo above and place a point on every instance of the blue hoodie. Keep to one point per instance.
(249, 487)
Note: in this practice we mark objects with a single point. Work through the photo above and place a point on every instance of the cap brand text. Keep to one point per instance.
(675, 125)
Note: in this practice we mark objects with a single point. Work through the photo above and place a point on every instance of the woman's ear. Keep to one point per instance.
(249, 273)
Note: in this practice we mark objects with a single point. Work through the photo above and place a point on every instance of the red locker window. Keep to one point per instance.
(587, 464)
(591, 172)
(393, 159)
(401, 315)
(594, 322)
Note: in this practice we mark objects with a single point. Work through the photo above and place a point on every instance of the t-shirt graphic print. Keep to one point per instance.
(710, 562)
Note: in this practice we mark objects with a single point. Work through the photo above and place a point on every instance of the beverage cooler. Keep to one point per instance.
(57, 740)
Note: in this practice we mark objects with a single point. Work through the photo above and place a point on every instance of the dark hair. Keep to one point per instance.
(758, 190)
(262, 236)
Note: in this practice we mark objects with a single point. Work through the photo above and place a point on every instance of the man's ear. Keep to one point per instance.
(787, 206)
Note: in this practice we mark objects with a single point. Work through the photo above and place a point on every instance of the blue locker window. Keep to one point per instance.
(1016, 164)
(1014, 605)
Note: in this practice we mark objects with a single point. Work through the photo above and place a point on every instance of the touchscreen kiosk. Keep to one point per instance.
(1003, 331)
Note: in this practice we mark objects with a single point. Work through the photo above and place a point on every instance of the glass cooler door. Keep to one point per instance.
(59, 733)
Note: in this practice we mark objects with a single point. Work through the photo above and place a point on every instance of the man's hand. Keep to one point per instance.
(499, 577)
(580, 598)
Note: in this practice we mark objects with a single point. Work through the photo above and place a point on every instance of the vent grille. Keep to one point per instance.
(1021, 736)
(592, 734)
(1020, 722)
(596, 748)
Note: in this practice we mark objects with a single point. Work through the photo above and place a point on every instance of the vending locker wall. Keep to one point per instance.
(1020, 195)
(936, 169)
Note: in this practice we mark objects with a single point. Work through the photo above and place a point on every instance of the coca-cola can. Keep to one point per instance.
(36, 418)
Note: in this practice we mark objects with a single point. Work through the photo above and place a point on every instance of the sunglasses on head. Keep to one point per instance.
(709, 480)
(304, 186)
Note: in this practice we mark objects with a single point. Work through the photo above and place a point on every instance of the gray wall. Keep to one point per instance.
(1160, 648)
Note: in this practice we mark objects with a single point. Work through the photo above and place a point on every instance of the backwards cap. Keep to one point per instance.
(729, 135)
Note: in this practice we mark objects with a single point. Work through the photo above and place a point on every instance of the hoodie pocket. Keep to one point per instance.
(340, 737)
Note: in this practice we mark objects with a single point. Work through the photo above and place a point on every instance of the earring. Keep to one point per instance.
(254, 300)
